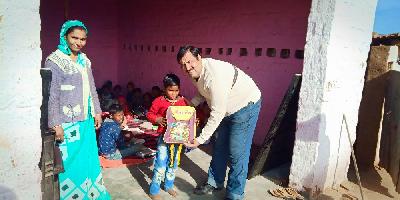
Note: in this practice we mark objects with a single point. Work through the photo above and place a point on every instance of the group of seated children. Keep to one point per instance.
(134, 101)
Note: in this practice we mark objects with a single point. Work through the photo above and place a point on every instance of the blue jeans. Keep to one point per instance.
(233, 142)
(162, 170)
(123, 152)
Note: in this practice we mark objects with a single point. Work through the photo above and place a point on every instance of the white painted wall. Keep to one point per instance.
(337, 44)
(393, 57)
(20, 99)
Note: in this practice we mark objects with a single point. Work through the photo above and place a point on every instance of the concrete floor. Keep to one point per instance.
(133, 182)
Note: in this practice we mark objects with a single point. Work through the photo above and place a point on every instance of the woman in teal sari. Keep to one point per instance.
(74, 113)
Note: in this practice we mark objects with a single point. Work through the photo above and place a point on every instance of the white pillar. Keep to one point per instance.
(20, 99)
(337, 44)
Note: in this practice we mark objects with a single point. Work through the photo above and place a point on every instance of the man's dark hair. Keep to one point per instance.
(195, 52)
(171, 80)
(115, 108)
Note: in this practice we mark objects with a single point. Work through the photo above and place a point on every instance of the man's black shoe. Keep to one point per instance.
(205, 189)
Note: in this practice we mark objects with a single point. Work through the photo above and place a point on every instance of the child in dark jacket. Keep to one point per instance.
(167, 158)
(111, 141)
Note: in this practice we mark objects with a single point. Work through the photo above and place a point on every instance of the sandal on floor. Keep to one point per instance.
(277, 193)
(285, 193)
(293, 193)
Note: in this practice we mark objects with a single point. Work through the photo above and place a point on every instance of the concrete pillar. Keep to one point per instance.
(337, 44)
(20, 99)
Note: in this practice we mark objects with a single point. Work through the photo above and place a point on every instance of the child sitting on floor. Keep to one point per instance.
(167, 156)
(111, 141)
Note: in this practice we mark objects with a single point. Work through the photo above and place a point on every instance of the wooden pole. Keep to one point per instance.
(354, 158)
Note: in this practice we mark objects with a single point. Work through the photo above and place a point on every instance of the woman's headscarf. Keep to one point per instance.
(63, 46)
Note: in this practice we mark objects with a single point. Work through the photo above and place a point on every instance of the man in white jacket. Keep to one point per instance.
(235, 101)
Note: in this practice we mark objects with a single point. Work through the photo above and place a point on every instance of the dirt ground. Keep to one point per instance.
(377, 185)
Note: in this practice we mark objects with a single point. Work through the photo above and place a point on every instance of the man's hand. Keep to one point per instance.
(194, 144)
(161, 121)
(59, 136)
(97, 121)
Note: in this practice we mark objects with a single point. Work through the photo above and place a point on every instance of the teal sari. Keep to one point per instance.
(82, 178)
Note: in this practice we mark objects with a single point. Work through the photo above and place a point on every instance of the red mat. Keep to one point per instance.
(128, 161)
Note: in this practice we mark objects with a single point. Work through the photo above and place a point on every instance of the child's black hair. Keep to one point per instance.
(155, 88)
(117, 87)
(115, 108)
(171, 80)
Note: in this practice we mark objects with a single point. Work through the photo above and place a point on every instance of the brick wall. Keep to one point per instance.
(236, 31)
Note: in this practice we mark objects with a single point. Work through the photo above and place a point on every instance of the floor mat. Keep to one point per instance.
(128, 161)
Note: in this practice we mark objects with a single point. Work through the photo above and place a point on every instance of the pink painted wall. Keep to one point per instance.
(119, 29)
(102, 22)
(214, 24)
